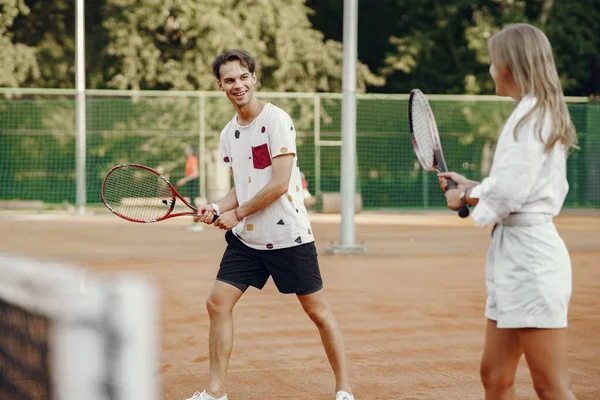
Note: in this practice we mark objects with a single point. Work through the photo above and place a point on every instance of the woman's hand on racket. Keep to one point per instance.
(453, 199)
(461, 182)
(227, 221)
(205, 214)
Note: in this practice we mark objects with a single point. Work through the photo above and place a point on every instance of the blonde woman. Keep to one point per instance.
(528, 268)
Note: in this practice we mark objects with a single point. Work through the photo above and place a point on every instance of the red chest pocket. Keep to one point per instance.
(261, 158)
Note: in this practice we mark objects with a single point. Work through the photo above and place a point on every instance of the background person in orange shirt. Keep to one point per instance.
(190, 181)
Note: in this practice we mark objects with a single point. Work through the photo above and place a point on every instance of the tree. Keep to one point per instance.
(18, 63)
(440, 45)
(168, 44)
(47, 29)
(171, 44)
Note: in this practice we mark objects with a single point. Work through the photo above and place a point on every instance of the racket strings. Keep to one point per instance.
(422, 134)
(138, 194)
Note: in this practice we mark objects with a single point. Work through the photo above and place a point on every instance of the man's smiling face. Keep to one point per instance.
(237, 82)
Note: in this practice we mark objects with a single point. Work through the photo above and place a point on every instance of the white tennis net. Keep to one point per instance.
(66, 334)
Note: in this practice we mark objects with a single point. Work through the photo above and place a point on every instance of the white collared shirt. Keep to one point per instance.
(524, 177)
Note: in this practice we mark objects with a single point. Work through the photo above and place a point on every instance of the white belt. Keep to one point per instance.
(526, 219)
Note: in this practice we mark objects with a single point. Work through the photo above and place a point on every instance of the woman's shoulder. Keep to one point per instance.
(526, 104)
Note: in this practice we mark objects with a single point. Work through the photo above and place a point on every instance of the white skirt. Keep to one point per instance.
(528, 274)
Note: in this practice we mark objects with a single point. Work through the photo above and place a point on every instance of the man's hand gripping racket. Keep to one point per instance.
(138, 193)
(426, 139)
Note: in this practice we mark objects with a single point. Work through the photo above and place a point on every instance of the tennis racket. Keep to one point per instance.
(138, 193)
(426, 139)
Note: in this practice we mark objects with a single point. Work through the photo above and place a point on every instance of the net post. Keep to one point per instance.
(347, 243)
(77, 363)
(133, 308)
(80, 118)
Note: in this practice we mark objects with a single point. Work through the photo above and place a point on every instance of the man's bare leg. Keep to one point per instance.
(219, 304)
(317, 308)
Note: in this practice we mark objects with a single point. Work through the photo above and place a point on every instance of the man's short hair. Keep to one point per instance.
(242, 56)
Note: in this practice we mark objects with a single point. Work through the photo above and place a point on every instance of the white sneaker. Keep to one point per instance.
(341, 395)
(206, 396)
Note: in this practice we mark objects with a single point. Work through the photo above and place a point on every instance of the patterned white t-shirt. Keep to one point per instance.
(249, 150)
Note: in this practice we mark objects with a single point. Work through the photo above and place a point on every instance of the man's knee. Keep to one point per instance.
(319, 313)
(219, 304)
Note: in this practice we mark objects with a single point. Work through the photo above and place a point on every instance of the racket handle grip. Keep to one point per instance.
(463, 212)
(215, 217)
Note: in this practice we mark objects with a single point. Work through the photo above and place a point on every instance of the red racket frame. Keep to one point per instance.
(174, 192)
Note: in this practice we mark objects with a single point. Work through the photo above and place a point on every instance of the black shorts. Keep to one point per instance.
(294, 269)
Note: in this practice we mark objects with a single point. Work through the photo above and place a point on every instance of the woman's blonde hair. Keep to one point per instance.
(525, 52)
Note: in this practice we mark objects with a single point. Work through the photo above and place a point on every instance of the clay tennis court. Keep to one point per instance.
(411, 309)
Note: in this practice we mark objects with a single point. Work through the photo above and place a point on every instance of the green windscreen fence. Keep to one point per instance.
(38, 142)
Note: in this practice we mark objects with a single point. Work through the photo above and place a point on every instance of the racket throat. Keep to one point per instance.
(173, 200)
(439, 163)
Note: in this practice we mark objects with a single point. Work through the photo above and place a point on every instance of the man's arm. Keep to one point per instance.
(229, 202)
(278, 185)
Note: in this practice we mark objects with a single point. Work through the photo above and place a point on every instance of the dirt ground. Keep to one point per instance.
(411, 308)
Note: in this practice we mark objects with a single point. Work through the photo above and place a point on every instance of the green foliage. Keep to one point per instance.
(171, 44)
(168, 44)
(440, 45)
(18, 62)
(43, 43)
(437, 45)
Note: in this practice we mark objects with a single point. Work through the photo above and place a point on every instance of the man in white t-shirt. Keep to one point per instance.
(268, 230)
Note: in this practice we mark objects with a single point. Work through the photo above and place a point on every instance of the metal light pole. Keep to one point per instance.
(347, 243)
(80, 139)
